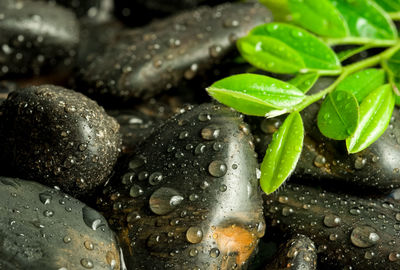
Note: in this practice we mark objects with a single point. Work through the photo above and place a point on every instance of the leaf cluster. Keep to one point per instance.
(357, 106)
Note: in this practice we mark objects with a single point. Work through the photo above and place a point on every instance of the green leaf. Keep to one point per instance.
(365, 19)
(304, 82)
(389, 5)
(254, 94)
(289, 42)
(282, 153)
(346, 54)
(318, 16)
(279, 8)
(270, 54)
(362, 82)
(338, 115)
(392, 67)
(375, 113)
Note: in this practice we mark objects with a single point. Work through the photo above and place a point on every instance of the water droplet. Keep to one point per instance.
(332, 221)
(394, 256)
(155, 178)
(88, 245)
(67, 239)
(286, 211)
(217, 168)
(214, 252)
(193, 252)
(319, 161)
(369, 255)
(333, 236)
(135, 191)
(359, 163)
(45, 197)
(200, 148)
(87, 263)
(215, 50)
(164, 200)
(92, 218)
(204, 117)
(194, 235)
(364, 236)
(355, 211)
(210, 132)
(136, 163)
(48, 213)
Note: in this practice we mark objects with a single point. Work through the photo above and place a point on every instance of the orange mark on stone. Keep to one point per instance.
(235, 239)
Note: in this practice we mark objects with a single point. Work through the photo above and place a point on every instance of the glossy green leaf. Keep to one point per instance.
(389, 5)
(304, 82)
(392, 67)
(282, 153)
(338, 116)
(315, 53)
(363, 82)
(256, 94)
(346, 54)
(318, 16)
(375, 113)
(270, 54)
(365, 19)
(279, 8)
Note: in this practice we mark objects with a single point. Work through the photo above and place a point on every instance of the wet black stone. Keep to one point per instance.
(140, 12)
(5, 88)
(298, 253)
(325, 161)
(143, 119)
(43, 228)
(99, 10)
(59, 137)
(349, 232)
(189, 194)
(36, 37)
(145, 61)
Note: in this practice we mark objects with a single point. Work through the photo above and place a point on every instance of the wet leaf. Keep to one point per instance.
(255, 94)
(318, 16)
(309, 53)
(304, 81)
(270, 54)
(282, 153)
(389, 5)
(338, 115)
(375, 113)
(363, 82)
(279, 8)
(366, 19)
(392, 67)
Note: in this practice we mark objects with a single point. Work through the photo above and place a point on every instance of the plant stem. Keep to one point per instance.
(395, 16)
(346, 71)
(359, 41)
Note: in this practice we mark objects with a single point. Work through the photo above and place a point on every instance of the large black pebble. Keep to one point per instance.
(350, 232)
(43, 228)
(189, 197)
(142, 62)
(58, 136)
(36, 37)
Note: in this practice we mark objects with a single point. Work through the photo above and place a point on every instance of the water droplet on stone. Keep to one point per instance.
(155, 178)
(394, 256)
(364, 236)
(135, 191)
(214, 252)
(45, 197)
(210, 132)
(88, 245)
(87, 263)
(217, 168)
(332, 221)
(194, 235)
(319, 161)
(92, 218)
(164, 200)
(359, 163)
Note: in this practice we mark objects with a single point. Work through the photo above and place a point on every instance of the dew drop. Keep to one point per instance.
(155, 178)
(135, 191)
(87, 263)
(210, 132)
(92, 218)
(217, 168)
(194, 235)
(332, 221)
(364, 236)
(214, 252)
(45, 197)
(164, 200)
